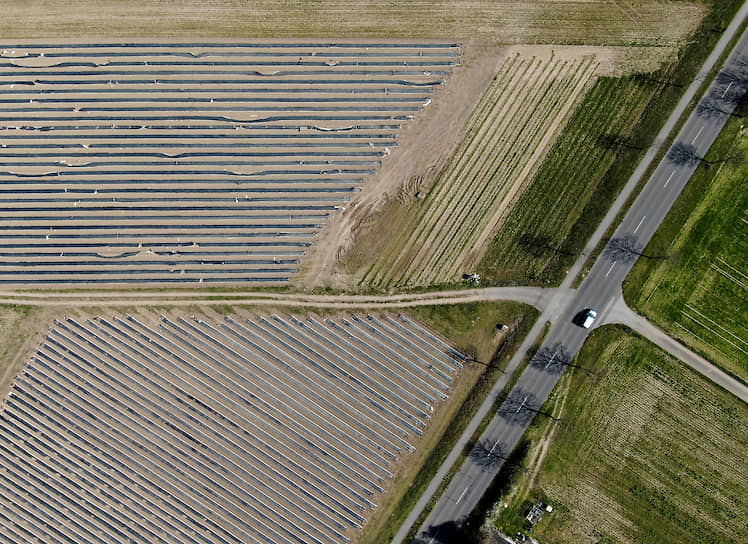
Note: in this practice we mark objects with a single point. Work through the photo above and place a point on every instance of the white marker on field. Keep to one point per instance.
(609, 269)
(669, 178)
(463, 494)
(727, 88)
(697, 136)
(640, 224)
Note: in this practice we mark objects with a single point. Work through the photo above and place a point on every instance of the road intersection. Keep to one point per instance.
(600, 290)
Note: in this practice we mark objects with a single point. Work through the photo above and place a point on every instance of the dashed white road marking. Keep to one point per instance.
(727, 89)
(494, 446)
(609, 269)
(697, 136)
(669, 178)
(640, 224)
(463, 494)
(551, 359)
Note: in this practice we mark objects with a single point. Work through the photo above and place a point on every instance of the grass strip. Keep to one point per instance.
(698, 294)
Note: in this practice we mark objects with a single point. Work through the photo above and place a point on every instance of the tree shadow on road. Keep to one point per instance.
(446, 533)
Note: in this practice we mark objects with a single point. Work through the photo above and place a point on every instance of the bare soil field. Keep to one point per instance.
(595, 22)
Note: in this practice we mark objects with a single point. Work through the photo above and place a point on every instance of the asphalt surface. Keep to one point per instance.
(599, 291)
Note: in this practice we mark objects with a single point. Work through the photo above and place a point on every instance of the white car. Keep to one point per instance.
(589, 318)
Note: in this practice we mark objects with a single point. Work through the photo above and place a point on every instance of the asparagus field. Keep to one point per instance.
(192, 162)
(261, 430)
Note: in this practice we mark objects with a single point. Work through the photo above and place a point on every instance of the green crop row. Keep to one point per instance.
(532, 245)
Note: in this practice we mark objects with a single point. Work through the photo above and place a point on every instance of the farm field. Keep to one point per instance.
(699, 294)
(192, 163)
(647, 22)
(471, 328)
(506, 137)
(646, 451)
(535, 243)
(280, 429)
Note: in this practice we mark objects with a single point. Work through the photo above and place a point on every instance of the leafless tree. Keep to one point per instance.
(734, 77)
(489, 454)
(521, 406)
(710, 108)
(555, 359)
(471, 353)
(625, 249)
(684, 154)
(449, 532)
(727, 95)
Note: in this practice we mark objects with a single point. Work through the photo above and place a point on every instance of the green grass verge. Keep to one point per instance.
(648, 451)
(552, 221)
(468, 325)
(473, 326)
(700, 294)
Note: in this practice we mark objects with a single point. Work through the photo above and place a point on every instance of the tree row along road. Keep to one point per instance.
(600, 290)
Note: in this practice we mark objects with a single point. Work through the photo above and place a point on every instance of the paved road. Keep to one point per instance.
(599, 291)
